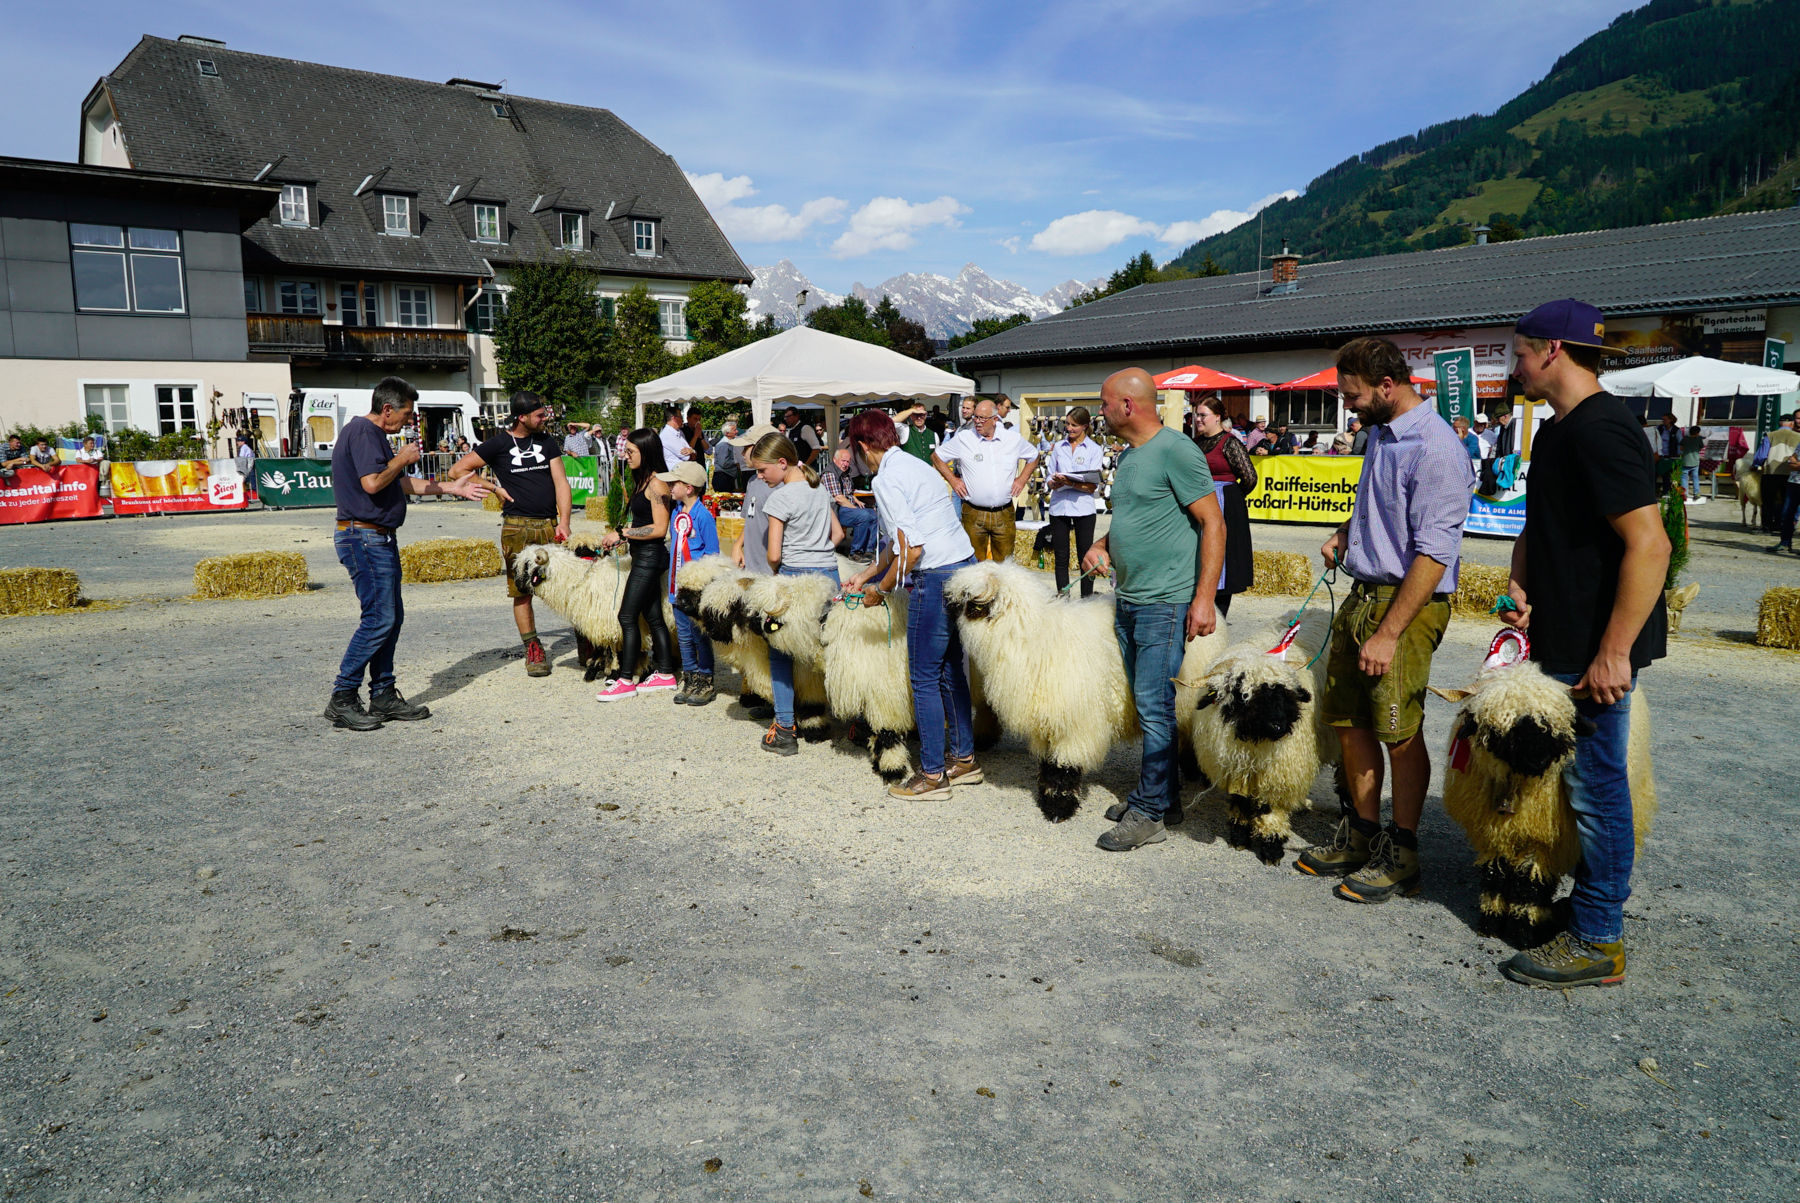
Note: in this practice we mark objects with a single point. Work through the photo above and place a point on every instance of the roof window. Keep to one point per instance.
(501, 110)
(208, 67)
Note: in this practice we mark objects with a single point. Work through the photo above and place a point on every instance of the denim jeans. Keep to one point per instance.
(934, 657)
(1790, 506)
(781, 665)
(1152, 636)
(863, 527)
(373, 561)
(696, 648)
(1600, 795)
(1690, 480)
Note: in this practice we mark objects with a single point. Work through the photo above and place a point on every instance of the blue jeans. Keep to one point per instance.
(862, 525)
(934, 661)
(696, 648)
(1152, 636)
(1690, 480)
(1789, 508)
(1600, 795)
(373, 560)
(781, 665)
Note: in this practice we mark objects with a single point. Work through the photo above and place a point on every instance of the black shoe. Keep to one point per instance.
(346, 710)
(780, 740)
(389, 706)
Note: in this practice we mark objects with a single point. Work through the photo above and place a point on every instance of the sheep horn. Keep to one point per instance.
(1453, 696)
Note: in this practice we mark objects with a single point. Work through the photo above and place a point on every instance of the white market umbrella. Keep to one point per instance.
(1699, 376)
(801, 366)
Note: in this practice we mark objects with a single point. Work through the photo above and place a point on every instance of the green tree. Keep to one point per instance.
(551, 339)
(638, 352)
(904, 335)
(1139, 269)
(717, 321)
(987, 327)
(849, 318)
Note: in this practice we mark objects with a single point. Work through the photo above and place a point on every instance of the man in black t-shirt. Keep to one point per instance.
(528, 465)
(1593, 558)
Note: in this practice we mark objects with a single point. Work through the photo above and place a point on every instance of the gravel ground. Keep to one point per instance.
(617, 953)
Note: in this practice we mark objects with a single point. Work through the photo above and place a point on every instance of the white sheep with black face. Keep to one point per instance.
(788, 611)
(586, 592)
(1258, 732)
(723, 619)
(868, 681)
(1513, 735)
(1748, 482)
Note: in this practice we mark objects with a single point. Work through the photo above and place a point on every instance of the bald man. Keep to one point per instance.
(994, 463)
(1167, 545)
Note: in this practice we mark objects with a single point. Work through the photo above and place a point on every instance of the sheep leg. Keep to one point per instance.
(1269, 833)
(1491, 920)
(888, 755)
(1058, 790)
(857, 732)
(987, 730)
(810, 720)
(1238, 814)
(749, 699)
(1534, 921)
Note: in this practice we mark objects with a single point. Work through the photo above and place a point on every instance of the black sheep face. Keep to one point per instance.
(1267, 712)
(717, 627)
(1529, 748)
(688, 601)
(744, 618)
(532, 573)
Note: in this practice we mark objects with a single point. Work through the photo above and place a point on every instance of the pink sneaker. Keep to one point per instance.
(658, 681)
(616, 691)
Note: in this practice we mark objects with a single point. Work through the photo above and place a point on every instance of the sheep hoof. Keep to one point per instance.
(888, 756)
(1058, 808)
(1237, 833)
(1268, 849)
(1058, 791)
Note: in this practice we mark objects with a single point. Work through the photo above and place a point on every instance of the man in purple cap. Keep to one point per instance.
(1593, 554)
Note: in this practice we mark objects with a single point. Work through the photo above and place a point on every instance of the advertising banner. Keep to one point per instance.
(1735, 335)
(1455, 383)
(293, 484)
(1305, 488)
(1490, 347)
(583, 472)
(1768, 406)
(1504, 516)
(34, 495)
(177, 486)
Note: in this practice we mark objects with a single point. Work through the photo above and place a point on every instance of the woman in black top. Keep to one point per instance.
(1232, 468)
(645, 587)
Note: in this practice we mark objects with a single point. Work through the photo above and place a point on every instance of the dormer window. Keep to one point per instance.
(487, 223)
(296, 209)
(208, 67)
(643, 237)
(571, 231)
(396, 215)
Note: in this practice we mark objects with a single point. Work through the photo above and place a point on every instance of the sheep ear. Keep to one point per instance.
(1453, 696)
(1584, 727)
(1466, 729)
(1206, 699)
(1303, 694)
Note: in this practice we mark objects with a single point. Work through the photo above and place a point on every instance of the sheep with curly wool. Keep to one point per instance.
(1513, 735)
(1258, 732)
(696, 575)
(586, 592)
(722, 617)
(787, 611)
(1748, 482)
(868, 682)
(1051, 670)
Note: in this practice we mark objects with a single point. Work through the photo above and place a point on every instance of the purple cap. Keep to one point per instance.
(1566, 321)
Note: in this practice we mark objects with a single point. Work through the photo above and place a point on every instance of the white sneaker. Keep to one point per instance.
(616, 690)
(658, 681)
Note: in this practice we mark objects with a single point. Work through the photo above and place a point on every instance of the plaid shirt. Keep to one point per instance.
(834, 482)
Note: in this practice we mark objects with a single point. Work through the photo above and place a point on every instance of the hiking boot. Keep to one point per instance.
(1568, 960)
(963, 772)
(1116, 811)
(681, 695)
(922, 787)
(1347, 852)
(1391, 870)
(536, 663)
(780, 740)
(700, 690)
(616, 689)
(1133, 831)
(346, 710)
(657, 681)
(390, 707)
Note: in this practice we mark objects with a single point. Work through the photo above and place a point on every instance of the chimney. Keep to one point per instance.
(1284, 271)
(1481, 235)
(194, 39)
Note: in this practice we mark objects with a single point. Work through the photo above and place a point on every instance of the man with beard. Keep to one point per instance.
(1401, 546)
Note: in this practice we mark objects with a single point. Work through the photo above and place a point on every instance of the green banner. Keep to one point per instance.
(284, 484)
(583, 473)
(1768, 406)
(1455, 383)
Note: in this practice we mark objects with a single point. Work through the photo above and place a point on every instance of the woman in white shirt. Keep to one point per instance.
(1073, 476)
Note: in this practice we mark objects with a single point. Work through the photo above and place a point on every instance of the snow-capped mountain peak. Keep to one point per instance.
(946, 307)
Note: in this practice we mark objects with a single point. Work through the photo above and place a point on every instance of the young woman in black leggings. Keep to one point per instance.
(646, 587)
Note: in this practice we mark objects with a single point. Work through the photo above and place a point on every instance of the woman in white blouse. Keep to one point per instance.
(1073, 476)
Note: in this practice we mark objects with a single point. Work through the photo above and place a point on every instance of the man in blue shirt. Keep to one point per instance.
(369, 481)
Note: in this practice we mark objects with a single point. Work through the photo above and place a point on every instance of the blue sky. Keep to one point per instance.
(1042, 141)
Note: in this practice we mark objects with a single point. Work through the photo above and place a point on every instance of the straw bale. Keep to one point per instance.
(1477, 586)
(731, 529)
(1281, 573)
(493, 503)
(594, 508)
(1025, 552)
(449, 560)
(251, 574)
(1778, 618)
(38, 590)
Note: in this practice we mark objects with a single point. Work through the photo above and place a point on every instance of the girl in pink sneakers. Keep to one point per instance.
(643, 593)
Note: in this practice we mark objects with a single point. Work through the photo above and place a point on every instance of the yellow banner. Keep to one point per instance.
(1304, 488)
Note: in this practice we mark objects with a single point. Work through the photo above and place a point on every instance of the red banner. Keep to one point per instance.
(177, 486)
(34, 495)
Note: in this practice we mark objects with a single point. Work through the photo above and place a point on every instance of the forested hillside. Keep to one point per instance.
(1682, 108)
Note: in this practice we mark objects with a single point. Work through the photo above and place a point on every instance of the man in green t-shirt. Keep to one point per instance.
(1167, 544)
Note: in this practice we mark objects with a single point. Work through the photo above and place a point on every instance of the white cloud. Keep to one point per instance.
(1011, 244)
(759, 223)
(887, 224)
(1183, 233)
(1094, 230)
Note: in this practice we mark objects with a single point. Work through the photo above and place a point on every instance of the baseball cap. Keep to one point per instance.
(752, 436)
(686, 471)
(526, 403)
(1568, 321)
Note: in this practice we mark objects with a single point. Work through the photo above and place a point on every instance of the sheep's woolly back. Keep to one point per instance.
(695, 575)
(796, 605)
(721, 603)
(584, 592)
(866, 671)
(1196, 658)
(1748, 480)
(1050, 666)
(1278, 773)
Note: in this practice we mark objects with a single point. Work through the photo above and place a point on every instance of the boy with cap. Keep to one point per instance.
(1593, 554)
(692, 533)
(528, 465)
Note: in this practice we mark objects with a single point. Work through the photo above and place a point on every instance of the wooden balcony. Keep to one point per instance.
(311, 338)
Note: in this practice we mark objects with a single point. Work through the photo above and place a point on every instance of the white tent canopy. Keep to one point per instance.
(799, 366)
(1699, 377)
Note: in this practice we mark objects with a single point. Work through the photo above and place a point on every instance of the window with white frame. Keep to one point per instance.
(674, 318)
(643, 237)
(489, 303)
(252, 295)
(494, 406)
(412, 305)
(121, 270)
(396, 214)
(571, 231)
(607, 306)
(297, 297)
(487, 223)
(175, 408)
(355, 311)
(295, 207)
(108, 403)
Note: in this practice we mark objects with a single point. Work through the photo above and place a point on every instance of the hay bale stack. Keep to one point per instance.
(1281, 574)
(731, 529)
(493, 503)
(38, 590)
(1778, 618)
(1025, 552)
(449, 560)
(1477, 585)
(594, 508)
(251, 574)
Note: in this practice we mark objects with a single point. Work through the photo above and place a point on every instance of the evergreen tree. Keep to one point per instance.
(638, 351)
(550, 338)
(849, 318)
(987, 327)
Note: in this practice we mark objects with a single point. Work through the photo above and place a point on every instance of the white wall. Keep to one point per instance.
(50, 392)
